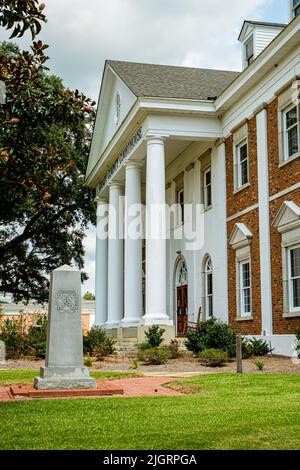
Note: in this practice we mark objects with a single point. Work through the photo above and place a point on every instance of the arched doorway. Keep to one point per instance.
(181, 286)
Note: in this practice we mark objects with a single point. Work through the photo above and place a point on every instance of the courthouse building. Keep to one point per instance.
(222, 150)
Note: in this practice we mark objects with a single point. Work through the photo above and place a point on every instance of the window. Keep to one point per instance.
(207, 189)
(180, 206)
(242, 164)
(294, 278)
(208, 275)
(245, 288)
(291, 132)
(249, 51)
(296, 7)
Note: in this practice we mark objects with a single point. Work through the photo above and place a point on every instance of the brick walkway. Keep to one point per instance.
(133, 387)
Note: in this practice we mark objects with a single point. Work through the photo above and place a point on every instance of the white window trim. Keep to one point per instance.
(242, 313)
(237, 167)
(294, 8)
(292, 308)
(206, 295)
(206, 205)
(286, 157)
(251, 38)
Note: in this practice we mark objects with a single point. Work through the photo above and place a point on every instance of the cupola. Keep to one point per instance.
(256, 36)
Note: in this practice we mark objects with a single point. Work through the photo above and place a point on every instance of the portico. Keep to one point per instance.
(131, 166)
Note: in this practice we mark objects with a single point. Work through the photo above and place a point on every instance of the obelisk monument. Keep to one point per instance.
(64, 355)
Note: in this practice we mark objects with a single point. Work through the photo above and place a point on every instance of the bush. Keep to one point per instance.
(153, 356)
(211, 334)
(297, 333)
(173, 349)
(154, 336)
(88, 361)
(37, 337)
(143, 346)
(255, 347)
(16, 344)
(213, 357)
(97, 344)
(259, 363)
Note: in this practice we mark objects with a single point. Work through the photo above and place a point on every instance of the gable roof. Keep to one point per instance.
(166, 81)
(259, 23)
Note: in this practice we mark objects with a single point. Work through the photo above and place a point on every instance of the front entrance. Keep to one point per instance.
(182, 310)
(181, 286)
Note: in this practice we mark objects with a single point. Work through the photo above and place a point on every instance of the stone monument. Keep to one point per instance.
(64, 355)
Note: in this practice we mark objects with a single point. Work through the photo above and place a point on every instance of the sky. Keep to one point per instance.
(197, 33)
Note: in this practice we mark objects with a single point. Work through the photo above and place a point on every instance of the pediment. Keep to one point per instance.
(240, 236)
(288, 217)
(115, 102)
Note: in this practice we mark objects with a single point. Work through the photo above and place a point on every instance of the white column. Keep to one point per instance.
(115, 257)
(156, 310)
(264, 222)
(133, 296)
(101, 262)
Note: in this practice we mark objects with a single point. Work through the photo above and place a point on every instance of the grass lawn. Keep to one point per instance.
(9, 377)
(228, 411)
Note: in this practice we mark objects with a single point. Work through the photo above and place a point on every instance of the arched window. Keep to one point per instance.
(181, 274)
(208, 288)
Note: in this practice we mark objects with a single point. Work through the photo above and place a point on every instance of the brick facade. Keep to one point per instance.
(253, 326)
(238, 201)
(281, 177)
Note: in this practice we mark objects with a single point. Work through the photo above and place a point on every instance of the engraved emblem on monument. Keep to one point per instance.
(66, 301)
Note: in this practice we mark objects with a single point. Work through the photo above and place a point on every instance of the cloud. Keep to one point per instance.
(180, 32)
(82, 34)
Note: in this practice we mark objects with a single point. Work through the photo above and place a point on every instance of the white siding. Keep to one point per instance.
(263, 37)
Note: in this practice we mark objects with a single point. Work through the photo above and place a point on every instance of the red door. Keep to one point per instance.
(182, 310)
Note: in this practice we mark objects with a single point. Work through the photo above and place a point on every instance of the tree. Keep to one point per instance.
(89, 296)
(45, 132)
(22, 15)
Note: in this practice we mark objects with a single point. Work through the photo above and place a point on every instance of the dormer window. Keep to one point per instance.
(249, 46)
(295, 7)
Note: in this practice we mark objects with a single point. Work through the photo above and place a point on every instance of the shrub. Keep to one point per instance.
(154, 336)
(143, 346)
(97, 344)
(297, 333)
(153, 356)
(135, 364)
(101, 351)
(15, 343)
(211, 334)
(246, 349)
(37, 337)
(259, 363)
(213, 357)
(173, 349)
(88, 361)
(257, 347)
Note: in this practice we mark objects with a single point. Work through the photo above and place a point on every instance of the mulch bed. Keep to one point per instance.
(187, 363)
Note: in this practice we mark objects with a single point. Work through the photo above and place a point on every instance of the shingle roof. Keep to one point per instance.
(165, 81)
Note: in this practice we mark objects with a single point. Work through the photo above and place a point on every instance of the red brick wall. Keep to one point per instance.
(245, 326)
(280, 178)
(237, 202)
(248, 196)
(281, 325)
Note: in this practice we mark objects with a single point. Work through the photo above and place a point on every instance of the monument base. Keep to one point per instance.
(64, 378)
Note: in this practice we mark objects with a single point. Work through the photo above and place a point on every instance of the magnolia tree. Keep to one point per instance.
(45, 132)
